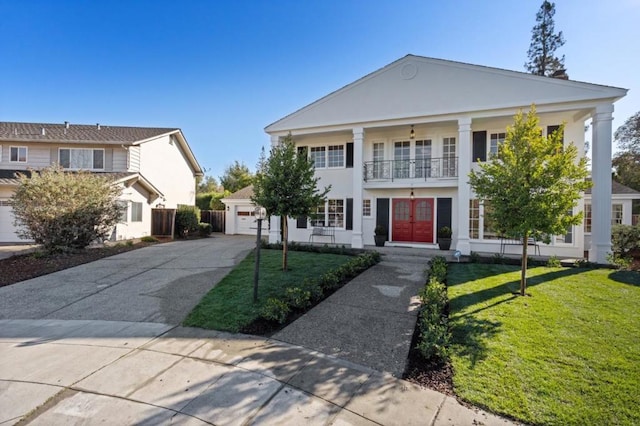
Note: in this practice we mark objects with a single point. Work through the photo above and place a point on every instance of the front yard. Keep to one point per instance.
(567, 354)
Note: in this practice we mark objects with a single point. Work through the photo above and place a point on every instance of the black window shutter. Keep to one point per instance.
(479, 146)
(382, 213)
(349, 218)
(349, 154)
(302, 150)
(301, 222)
(551, 129)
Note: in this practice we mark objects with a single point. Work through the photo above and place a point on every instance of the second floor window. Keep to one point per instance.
(496, 140)
(82, 158)
(336, 156)
(18, 154)
(318, 156)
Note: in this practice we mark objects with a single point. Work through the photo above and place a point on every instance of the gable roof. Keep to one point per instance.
(242, 194)
(417, 86)
(78, 133)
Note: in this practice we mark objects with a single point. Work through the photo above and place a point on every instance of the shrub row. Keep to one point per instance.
(311, 291)
(294, 246)
(434, 336)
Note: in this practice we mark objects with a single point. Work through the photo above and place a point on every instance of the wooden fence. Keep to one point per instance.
(214, 217)
(163, 222)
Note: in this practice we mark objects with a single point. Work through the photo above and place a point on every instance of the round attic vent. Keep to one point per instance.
(409, 71)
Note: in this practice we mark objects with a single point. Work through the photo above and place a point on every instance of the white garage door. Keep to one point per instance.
(7, 230)
(246, 224)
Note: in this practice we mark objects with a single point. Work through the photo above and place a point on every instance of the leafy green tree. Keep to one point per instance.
(63, 210)
(236, 177)
(207, 184)
(544, 43)
(286, 186)
(532, 184)
(627, 161)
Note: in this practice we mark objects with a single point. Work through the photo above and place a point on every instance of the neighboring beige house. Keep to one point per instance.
(239, 210)
(154, 166)
(397, 147)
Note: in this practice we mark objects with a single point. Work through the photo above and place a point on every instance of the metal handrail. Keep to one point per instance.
(426, 168)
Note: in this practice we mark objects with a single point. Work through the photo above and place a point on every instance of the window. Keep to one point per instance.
(318, 156)
(366, 207)
(423, 158)
(329, 214)
(587, 218)
(616, 214)
(402, 156)
(18, 154)
(474, 219)
(124, 213)
(488, 228)
(378, 158)
(136, 212)
(336, 156)
(496, 139)
(82, 158)
(449, 160)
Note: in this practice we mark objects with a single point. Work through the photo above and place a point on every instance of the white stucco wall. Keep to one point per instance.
(130, 229)
(163, 164)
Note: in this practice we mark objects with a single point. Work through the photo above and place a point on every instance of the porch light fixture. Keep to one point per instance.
(411, 196)
(412, 134)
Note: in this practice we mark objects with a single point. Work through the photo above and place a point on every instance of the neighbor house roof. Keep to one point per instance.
(93, 134)
(78, 133)
(242, 194)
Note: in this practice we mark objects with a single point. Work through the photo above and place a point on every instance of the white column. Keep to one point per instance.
(274, 221)
(358, 146)
(461, 234)
(601, 176)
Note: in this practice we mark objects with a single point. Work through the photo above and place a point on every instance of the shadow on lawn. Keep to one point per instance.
(471, 334)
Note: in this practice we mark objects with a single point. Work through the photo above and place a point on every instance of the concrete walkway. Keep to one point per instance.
(369, 321)
(57, 372)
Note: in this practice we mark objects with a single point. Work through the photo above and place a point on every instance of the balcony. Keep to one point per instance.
(425, 169)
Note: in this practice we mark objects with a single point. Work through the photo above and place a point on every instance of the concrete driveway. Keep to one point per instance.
(160, 283)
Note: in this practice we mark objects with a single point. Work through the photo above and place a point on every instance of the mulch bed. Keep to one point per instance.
(31, 265)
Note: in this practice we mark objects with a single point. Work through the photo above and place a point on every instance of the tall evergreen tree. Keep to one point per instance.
(236, 177)
(544, 43)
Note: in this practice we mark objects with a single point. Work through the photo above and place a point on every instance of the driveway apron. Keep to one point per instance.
(160, 283)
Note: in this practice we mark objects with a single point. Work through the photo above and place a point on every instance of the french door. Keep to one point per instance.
(413, 220)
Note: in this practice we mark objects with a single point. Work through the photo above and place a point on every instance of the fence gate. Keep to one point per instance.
(162, 222)
(214, 217)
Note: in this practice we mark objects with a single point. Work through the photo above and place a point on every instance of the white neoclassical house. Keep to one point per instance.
(397, 146)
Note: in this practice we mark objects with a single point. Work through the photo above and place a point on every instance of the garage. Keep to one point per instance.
(7, 230)
(239, 214)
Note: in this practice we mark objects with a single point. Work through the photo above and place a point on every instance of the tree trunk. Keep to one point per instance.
(285, 248)
(523, 272)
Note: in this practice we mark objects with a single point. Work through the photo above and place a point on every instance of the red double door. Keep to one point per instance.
(413, 220)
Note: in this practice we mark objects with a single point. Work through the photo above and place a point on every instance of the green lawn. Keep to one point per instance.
(229, 305)
(569, 354)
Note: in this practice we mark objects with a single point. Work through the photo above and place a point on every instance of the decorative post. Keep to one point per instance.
(464, 190)
(260, 214)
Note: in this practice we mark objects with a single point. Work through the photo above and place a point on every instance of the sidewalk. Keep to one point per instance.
(55, 372)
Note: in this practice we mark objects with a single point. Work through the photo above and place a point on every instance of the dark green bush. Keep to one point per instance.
(439, 268)
(203, 201)
(553, 262)
(624, 238)
(434, 336)
(187, 220)
(298, 298)
(149, 239)
(204, 229)
(275, 310)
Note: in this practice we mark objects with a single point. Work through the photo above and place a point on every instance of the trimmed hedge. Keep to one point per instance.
(434, 338)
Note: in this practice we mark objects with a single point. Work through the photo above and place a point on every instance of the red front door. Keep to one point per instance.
(413, 220)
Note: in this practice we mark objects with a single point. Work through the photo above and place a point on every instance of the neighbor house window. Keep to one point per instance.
(474, 219)
(587, 218)
(18, 154)
(616, 214)
(366, 207)
(82, 158)
(136, 212)
(124, 213)
(0, 153)
(495, 140)
(336, 156)
(318, 156)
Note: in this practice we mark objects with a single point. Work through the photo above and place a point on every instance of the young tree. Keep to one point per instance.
(532, 184)
(63, 210)
(286, 186)
(544, 42)
(236, 177)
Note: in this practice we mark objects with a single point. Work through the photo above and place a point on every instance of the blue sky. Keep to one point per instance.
(223, 70)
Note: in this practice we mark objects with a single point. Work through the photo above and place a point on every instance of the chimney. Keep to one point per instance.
(66, 124)
(44, 132)
(98, 126)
